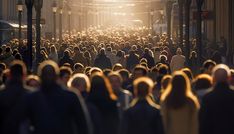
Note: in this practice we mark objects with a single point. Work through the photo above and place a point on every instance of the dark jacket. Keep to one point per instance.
(12, 107)
(217, 111)
(102, 62)
(66, 59)
(132, 61)
(142, 118)
(105, 116)
(150, 60)
(53, 110)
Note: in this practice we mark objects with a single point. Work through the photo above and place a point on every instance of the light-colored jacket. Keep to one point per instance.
(183, 120)
(177, 62)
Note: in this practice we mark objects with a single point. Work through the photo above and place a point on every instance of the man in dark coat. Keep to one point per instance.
(53, 110)
(149, 58)
(132, 60)
(143, 117)
(66, 59)
(12, 100)
(217, 110)
(102, 61)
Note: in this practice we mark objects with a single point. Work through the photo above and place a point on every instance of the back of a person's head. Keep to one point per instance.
(64, 70)
(188, 72)
(141, 68)
(117, 67)
(101, 88)
(143, 86)
(48, 72)
(79, 79)
(107, 71)
(208, 63)
(77, 66)
(221, 74)
(178, 92)
(124, 73)
(163, 69)
(202, 82)
(17, 70)
(165, 81)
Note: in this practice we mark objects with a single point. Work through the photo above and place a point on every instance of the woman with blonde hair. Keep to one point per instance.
(179, 107)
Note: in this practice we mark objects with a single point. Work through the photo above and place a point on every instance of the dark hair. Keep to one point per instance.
(101, 89)
(208, 63)
(141, 68)
(78, 65)
(163, 69)
(202, 81)
(106, 72)
(17, 69)
(65, 70)
(179, 92)
(124, 73)
(188, 72)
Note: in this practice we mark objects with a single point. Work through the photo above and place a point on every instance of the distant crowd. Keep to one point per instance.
(115, 81)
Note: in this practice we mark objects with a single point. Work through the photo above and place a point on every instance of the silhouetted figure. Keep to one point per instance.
(217, 111)
(179, 107)
(102, 61)
(12, 98)
(66, 59)
(143, 117)
(53, 110)
(102, 104)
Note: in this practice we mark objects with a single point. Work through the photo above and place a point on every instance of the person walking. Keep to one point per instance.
(179, 107)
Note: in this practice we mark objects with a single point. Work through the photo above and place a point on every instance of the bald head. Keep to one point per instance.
(221, 73)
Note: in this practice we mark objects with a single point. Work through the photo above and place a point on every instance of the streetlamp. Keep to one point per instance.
(20, 10)
(38, 6)
(54, 9)
(69, 20)
(60, 24)
(29, 5)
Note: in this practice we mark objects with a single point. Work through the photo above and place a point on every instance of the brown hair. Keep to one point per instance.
(178, 92)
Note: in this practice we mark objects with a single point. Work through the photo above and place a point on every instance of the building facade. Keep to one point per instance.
(222, 24)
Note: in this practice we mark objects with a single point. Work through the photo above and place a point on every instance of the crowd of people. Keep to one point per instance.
(114, 81)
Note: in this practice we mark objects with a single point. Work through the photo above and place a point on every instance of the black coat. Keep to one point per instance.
(53, 110)
(12, 106)
(217, 111)
(66, 59)
(150, 60)
(132, 61)
(102, 62)
(142, 118)
(105, 116)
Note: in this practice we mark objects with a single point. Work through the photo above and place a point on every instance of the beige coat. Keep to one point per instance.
(177, 62)
(180, 121)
